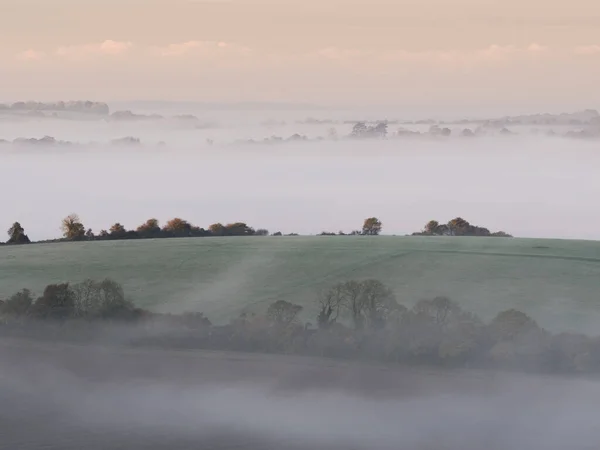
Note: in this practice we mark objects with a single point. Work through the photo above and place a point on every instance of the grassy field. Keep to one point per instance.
(556, 281)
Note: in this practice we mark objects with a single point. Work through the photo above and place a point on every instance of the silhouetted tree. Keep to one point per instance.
(438, 309)
(353, 302)
(283, 313)
(381, 129)
(57, 302)
(330, 303)
(457, 227)
(359, 130)
(509, 324)
(16, 234)
(18, 304)
(104, 299)
(377, 301)
(519, 341)
(239, 229)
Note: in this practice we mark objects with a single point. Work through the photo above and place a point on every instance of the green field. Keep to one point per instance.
(556, 281)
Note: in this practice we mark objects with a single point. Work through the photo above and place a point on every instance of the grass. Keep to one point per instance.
(556, 281)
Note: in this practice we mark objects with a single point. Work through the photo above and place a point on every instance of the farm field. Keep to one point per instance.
(556, 281)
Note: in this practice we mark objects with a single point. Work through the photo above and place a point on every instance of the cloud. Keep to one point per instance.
(536, 48)
(30, 55)
(201, 48)
(226, 55)
(491, 54)
(339, 54)
(108, 47)
(587, 50)
(115, 48)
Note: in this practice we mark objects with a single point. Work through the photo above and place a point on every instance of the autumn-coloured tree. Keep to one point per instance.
(151, 228)
(372, 226)
(217, 229)
(431, 228)
(117, 230)
(459, 226)
(72, 228)
(178, 227)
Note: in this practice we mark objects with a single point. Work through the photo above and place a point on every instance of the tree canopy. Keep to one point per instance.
(16, 234)
(372, 226)
(72, 228)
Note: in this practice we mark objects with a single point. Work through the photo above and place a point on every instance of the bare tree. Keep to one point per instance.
(353, 302)
(439, 309)
(377, 301)
(330, 303)
(283, 313)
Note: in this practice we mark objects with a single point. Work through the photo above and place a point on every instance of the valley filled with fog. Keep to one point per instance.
(68, 382)
(200, 164)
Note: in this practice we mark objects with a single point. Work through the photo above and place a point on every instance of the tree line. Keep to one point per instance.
(73, 229)
(457, 227)
(356, 319)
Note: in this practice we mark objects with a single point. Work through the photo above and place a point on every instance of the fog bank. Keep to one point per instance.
(527, 186)
(72, 397)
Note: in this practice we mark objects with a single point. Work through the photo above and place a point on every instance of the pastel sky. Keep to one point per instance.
(518, 54)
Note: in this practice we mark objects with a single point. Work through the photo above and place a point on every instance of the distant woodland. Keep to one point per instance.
(579, 125)
(356, 319)
(74, 230)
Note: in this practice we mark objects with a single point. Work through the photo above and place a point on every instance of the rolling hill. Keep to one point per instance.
(556, 281)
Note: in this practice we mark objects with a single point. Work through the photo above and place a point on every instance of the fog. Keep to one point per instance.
(526, 184)
(70, 397)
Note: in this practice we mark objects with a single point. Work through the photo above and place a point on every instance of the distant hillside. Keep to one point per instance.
(41, 107)
(557, 282)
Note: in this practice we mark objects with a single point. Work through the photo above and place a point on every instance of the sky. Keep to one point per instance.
(461, 55)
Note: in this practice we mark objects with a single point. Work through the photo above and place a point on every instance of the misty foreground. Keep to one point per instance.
(83, 367)
(60, 396)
